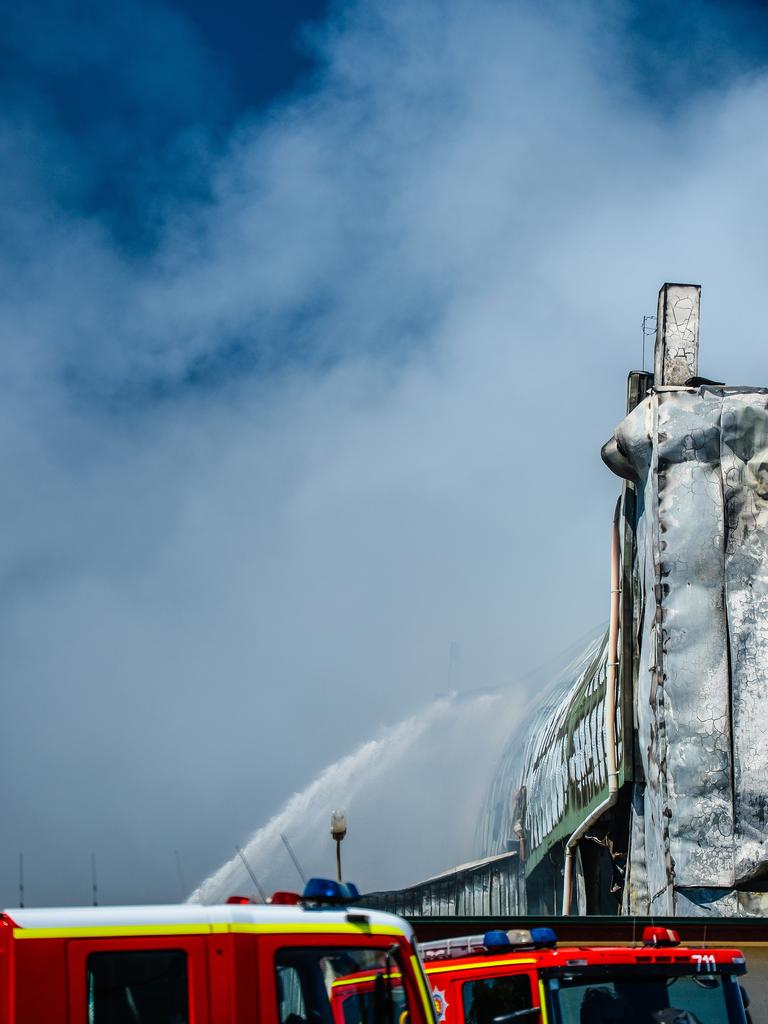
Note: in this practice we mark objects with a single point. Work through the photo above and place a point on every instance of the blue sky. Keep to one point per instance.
(311, 328)
(138, 98)
(136, 95)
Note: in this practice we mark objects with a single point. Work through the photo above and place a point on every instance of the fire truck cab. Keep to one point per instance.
(505, 977)
(192, 964)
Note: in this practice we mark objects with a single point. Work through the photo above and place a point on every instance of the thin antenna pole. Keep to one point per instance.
(642, 364)
(94, 886)
(182, 882)
(646, 334)
(254, 879)
(21, 879)
(293, 856)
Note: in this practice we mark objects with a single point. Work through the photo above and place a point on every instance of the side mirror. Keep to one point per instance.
(508, 1018)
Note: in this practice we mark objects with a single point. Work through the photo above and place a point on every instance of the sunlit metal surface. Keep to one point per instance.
(702, 715)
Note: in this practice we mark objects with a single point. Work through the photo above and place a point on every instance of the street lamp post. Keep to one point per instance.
(338, 831)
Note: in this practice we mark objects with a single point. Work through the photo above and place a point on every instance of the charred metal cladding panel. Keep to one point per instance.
(553, 770)
(699, 826)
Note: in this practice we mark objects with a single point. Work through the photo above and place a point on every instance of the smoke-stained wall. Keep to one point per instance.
(699, 824)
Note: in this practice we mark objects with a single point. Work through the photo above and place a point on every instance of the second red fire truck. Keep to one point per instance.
(506, 977)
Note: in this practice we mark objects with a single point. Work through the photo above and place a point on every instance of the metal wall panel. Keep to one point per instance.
(702, 718)
(744, 455)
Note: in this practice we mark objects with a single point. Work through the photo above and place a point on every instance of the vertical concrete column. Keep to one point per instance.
(676, 356)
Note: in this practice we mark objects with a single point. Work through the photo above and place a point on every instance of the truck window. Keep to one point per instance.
(343, 985)
(634, 999)
(486, 998)
(137, 987)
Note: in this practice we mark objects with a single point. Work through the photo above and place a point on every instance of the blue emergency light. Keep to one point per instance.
(543, 937)
(328, 891)
(539, 938)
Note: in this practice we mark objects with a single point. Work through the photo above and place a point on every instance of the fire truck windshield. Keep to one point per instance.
(318, 985)
(658, 997)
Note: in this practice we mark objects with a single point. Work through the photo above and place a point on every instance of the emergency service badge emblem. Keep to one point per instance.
(438, 998)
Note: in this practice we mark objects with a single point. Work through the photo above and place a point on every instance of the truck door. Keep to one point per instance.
(138, 980)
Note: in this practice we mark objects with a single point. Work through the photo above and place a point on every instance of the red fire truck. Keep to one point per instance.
(191, 964)
(502, 977)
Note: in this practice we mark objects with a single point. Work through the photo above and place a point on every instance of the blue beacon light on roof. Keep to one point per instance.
(519, 937)
(326, 890)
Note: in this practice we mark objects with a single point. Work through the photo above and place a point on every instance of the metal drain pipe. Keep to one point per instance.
(610, 718)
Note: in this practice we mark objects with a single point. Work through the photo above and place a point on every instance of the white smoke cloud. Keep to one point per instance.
(346, 412)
